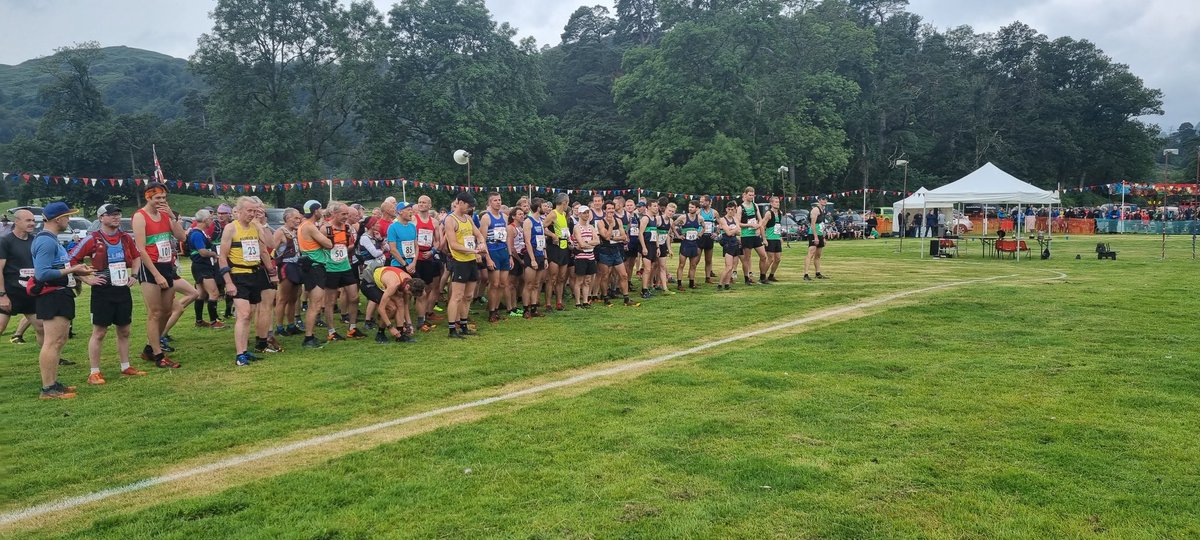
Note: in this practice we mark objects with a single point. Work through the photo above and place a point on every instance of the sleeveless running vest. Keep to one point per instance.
(158, 238)
(466, 237)
(690, 229)
(539, 236)
(339, 254)
(424, 236)
(709, 217)
(245, 253)
(311, 249)
(749, 220)
(773, 227)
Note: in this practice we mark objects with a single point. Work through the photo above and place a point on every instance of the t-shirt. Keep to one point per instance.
(18, 260)
(49, 259)
(197, 240)
(405, 237)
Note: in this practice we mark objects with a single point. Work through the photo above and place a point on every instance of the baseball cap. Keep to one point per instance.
(402, 205)
(311, 207)
(224, 209)
(641, 204)
(57, 209)
(106, 209)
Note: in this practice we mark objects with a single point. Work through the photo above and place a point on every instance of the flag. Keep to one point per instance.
(158, 174)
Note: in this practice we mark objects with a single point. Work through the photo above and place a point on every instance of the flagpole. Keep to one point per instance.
(404, 189)
(330, 192)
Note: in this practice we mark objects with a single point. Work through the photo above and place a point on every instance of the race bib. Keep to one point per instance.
(25, 273)
(662, 239)
(632, 231)
(540, 243)
(164, 251)
(778, 229)
(708, 227)
(690, 234)
(424, 237)
(408, 249)
(338, 253)
(752, 223)
(500, 235)
(118, 274)
(70, 281)
(218, 250)
(250, 251)
(469, 243)
(654, 235)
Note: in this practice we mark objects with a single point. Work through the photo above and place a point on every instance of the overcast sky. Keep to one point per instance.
(1158, 39)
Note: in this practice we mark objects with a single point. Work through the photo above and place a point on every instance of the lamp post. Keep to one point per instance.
(462, 157)
(903, 198)
(1167, 153)
(782, 170)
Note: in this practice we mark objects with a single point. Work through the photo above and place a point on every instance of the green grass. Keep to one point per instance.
(1018, 408)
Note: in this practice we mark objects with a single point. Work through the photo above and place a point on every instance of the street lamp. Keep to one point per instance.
(462, 157)
(1167, 153)
(782, 171)
(903, 198)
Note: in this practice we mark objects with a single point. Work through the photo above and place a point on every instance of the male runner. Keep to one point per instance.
(113, 254)
(314, 257)
(429, 263)
(707, 235)
(689, 226)
(202, 251)
(752, 241)
(731, 244)
(338, 273)
(52, 287)
(773, 231)
(16, 264)
(466, 245)
(649, 245)
(244, 244)
(154, 226)
(499, 260)
(816, 240)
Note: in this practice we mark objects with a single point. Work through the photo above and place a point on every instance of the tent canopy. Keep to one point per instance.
(990, 185)
(917, 201)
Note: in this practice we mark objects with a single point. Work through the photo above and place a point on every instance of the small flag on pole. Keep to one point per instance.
(158, 173)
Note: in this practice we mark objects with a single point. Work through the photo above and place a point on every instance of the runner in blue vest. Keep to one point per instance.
(690, 228)
(499, 261)
(708, 234)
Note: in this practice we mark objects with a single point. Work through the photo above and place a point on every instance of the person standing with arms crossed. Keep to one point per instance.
(244, 243)
(773, 231)
(752, 241)
(314, 256)
(154, 226)
(708, 217)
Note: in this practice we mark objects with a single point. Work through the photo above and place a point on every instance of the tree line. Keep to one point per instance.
(687, 96)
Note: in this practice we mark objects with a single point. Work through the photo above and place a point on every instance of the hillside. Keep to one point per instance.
(131, 81)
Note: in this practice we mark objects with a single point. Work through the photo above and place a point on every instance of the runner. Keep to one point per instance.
(466, 246)
(666, 227)
(586, 240)
(266, 308)
(633, 250)
(52, 289)
(224, 217)
(391, 288)
(287, 258)
(114, 257)
(314, 257)
(153, 229)
(773, 229)
(520, 256)
(556, 252)
(183, 288)
(752, 241)
(731, 244)
(429, 263)
(534, 234)
(709, 216)
(498, 259)
(202, 252)
(373, 247)
(816, 240)
(689, 226)
(609, 254)
(243, 247)
(649, 246)
(340, 277)
(16, 264)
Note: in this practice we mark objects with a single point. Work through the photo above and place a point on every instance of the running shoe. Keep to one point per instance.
(242, 360)
(217, 324)
(380, 337)
(405, 338)
(493, 317)
(369, 325)
(528, 314)
(354, 333)
(646, 295)
(57, 391)
(17, 339)
(772, 279)
(345, 318)
(516, 313)
(202, 324)
(434, 317)
(310, 342)
(821, 276)
(266, 347)
(334, 336)
(806, 278)
(293, 330)
(165, 345)
(438, 309)
(132, 372)
(96, 378)
(166, 363)
(559, 307)
(426, 327)
(631, 303)
(65, 362)
(455, 334)
(320, 322)
(274, 343)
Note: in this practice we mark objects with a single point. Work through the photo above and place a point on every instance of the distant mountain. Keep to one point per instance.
(131, 81)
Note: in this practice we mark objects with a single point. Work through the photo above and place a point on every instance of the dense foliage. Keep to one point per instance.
(677, 95)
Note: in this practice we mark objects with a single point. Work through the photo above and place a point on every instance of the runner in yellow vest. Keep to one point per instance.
(244, 243)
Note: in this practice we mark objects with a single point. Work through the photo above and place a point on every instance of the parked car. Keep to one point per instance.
(76, 226)
(37, 211)
(275, 217)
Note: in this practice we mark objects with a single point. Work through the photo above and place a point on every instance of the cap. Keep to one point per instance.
(224, 209)
(583, 208)
(641, 204)
(402, 205)
(311, 207)
(57, 209)
(106, 209)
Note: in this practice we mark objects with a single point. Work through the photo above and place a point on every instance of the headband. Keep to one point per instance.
(154, 190)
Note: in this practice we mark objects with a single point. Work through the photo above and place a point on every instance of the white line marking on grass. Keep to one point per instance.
(72, 502)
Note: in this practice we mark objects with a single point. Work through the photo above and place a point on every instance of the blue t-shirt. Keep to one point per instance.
(49, 259)
(196, 241)
(404, 235)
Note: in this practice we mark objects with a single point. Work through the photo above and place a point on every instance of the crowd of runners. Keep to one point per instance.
(408, 261)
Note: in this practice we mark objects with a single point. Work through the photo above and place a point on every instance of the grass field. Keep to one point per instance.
(1023, 406)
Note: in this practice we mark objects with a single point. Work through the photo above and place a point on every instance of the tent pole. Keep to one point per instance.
(1018, 225)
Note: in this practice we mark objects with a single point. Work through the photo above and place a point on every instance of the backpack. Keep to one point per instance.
(367, 274)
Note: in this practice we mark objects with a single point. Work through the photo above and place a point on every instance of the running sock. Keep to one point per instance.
(212, 310)
(691, 283)
(260, 343)
(124, 366)
(199, 308)
(353, 327)
(228, 308)
(453, 327)
(95, 370)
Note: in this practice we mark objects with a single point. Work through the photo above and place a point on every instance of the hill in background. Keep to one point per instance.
(131, 81)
